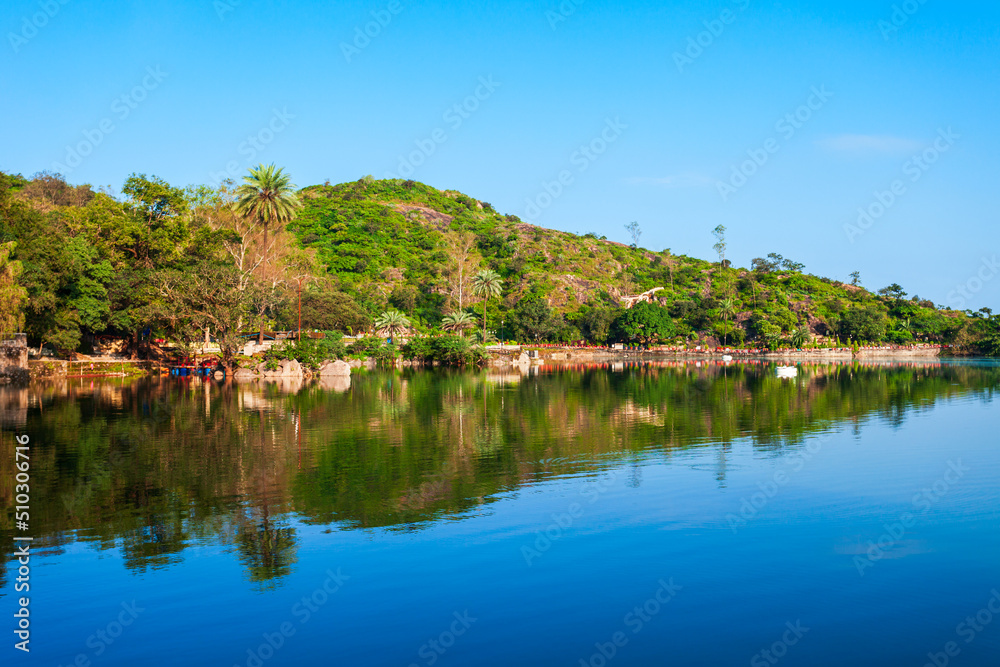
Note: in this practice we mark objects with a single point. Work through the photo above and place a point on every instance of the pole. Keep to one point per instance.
(300, 310)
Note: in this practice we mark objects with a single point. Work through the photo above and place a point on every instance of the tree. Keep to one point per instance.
(855, 278)
(644, 323)
(720, 243)
(268, 196)
(894, 292)
(463, 261)
(531, 319)
(727, 308)
(486, 284)
(404, 297)
(12, 294)
(635, 232)
(458, 321)
(391, 323)
(205, 295)
(801, 337)
(327, 310)
(863, 323)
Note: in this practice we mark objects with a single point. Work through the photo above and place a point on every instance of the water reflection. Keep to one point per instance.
(150, 467)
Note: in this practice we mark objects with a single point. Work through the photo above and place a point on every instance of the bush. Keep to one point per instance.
(310, 352)
(445, 349)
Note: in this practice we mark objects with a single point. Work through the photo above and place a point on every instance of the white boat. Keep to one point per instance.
(727, 357)
(788, 371)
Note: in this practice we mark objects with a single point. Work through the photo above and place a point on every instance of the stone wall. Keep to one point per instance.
(14, 359)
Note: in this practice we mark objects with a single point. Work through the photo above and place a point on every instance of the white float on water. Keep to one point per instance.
(727, 357)
(788, 371)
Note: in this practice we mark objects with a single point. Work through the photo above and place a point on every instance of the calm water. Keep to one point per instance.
(655, 515)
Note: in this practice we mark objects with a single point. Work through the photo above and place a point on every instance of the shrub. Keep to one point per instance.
(445, 349)
(310, 352)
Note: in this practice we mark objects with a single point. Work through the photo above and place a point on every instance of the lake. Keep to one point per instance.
(674, 514)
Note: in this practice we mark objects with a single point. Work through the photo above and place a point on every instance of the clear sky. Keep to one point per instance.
(779, 120)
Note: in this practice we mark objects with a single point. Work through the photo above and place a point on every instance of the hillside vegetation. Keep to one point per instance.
(163, 261)
(402, 244)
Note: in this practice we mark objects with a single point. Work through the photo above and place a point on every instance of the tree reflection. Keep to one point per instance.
(152, 467)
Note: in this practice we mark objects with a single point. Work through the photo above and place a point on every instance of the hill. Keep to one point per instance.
(403, 244)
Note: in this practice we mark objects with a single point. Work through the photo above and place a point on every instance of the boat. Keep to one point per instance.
(788, 372)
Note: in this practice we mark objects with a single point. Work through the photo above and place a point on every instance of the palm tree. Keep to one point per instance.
(801, 336)
(486, 284)
(458, 321)
(727, 308)
(268, 196)
(391, 322)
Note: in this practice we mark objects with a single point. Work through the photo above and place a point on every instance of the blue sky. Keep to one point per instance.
(780, 120)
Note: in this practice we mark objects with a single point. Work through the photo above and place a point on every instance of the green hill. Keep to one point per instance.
(393, 243)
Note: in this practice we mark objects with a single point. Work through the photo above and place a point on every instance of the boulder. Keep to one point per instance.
(244, 374)
(524, 359)
(355, 363)
(291, 369)
(335, 369)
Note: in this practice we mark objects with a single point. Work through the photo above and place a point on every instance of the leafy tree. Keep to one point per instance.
(644, 323)
(12, 294)
(327, 311)
(594, 322)
(863, 323)
(531, 319)
(894, 292)
(855, 278)
(404, 297)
